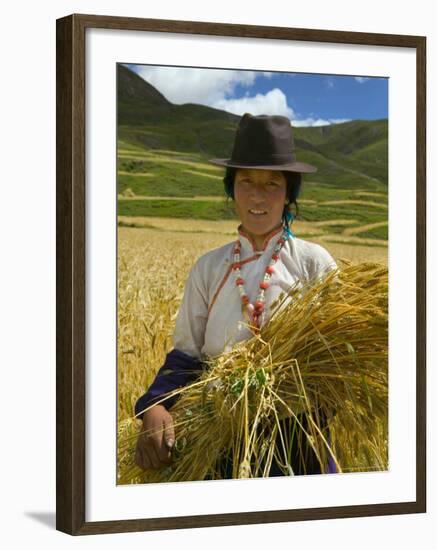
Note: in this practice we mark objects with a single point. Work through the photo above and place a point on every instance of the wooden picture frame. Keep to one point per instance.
(71, 281)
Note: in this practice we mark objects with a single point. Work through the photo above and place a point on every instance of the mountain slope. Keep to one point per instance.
(348, 156)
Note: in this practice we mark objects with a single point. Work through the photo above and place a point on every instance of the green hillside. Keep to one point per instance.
(163, 151)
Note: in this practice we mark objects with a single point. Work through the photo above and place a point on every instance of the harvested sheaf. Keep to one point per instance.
(323, 355)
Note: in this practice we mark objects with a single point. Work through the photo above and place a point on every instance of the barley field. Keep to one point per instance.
(152, 269)
(154, 258)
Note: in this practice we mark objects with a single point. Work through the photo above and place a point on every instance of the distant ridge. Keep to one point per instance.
(132, 87)
(346, 154)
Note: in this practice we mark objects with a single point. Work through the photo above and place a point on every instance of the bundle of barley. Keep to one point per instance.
(323, 355)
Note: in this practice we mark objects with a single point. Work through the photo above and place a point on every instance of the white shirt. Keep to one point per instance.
(210, 319)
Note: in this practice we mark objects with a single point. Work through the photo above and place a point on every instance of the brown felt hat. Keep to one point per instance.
(264, 142)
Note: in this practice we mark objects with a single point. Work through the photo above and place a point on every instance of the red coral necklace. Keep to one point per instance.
(254, 311)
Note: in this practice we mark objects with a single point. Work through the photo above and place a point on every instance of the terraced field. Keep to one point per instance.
(156, 191)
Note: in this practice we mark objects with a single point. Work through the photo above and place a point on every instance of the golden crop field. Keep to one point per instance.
(154, 259)
(152, 269)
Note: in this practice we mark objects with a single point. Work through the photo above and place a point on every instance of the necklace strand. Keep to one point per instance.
(254, 311)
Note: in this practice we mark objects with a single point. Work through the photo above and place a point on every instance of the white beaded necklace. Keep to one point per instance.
(254, 311)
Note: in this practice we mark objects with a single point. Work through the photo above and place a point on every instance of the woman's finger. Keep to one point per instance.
(141, 458)
(169, 434)
(163, 451)
(152, 455)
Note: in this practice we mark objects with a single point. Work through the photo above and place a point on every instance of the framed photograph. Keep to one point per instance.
(161, 139)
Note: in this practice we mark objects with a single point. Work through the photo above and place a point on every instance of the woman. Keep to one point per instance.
(230, 290)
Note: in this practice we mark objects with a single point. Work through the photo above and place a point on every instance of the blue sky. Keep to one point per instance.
(307, 99)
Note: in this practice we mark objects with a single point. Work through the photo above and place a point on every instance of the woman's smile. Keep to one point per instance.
(257, 212)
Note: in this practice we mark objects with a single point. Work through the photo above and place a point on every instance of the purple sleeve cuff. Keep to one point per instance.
(331, 467)
(178, 370)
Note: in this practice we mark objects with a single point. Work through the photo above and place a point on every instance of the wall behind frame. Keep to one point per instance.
(27, 286)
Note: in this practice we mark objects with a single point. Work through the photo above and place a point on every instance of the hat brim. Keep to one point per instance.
(301, 167)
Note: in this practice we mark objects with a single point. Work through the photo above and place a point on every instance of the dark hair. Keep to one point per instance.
(293, 179)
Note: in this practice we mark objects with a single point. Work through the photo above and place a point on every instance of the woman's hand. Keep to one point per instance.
(154, 447)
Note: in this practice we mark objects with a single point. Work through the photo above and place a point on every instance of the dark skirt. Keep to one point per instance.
(302, 458)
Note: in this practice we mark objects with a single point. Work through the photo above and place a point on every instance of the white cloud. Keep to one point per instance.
(274, 102)
(190, 85)
(212, 87)
(319, 121)
(361, 79)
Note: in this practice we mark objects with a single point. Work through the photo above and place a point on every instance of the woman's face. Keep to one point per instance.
(260, 196)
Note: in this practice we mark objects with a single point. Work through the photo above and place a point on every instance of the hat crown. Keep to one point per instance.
(263, 139)
(264, 142)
